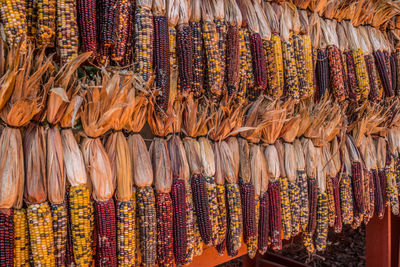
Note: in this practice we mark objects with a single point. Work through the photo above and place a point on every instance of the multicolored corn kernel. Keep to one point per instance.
(7, 235)
(13, 17)
(331, 202)
(263, 223)
(164, 210)
(178, 196)
(213, 208)
(308, 242)
(232, 59)
(391, 190)
(322, 221)
(46, 23)
(361, 75)
(184, 48)
(357, 184)
(351, 76)
(322, 69)
(247, 195)
(259, 62)
(312, 203)
(190, 224)
(87, 22)
(123, 38)
(67, 30)
(21, 238)
(346, 199)
(304, 206)
(243, 65)
(294, 196)
(299, 53)
(59, 219)
(126, 231)
(292, 88)
(107, 21)
(383, 185)
(308, 64)
(336, 198)
(285, 209)
(252, 242)
(235, 220)
(147, 223)
(275, 213)
(220, 26)
(31, 20)
(200, 201)
(336, 72)
(274, 64)
(41, 234)
(198, 59)
(367, 204)
(221, 213)
(251, 81)
(372, 77)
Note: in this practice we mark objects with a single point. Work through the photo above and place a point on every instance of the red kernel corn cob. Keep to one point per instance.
(164, 211)
(185, 56)
(87, 13)
(275, 220)
(178, 196)
(123, 38)
(336, 196)
(336, 72)
(264, 223)
(312, 202)
(259, 64)
(247, 196)
(6, 237)
(232, 59)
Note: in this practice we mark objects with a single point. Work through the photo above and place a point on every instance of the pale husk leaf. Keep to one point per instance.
(207, 157)
(233, 16)
(329, 167)
(161, 165)
(179, 162)
(310, 157)
(321, 177)
(245, 163)
(141, 162)
(281, 154)
(55, 167)
(290, 162)
(195, 13)
(234, 146)
(219, 169)
(173, 12)
(335, 152)
(159, 7)
(227, 163)
(273, 166)
(257, 166)
(193, 153)
(300, 160)
(380, 144)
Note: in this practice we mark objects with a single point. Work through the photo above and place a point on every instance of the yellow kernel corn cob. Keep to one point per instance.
(67, 30)
(294, 197)
(243, 64)
(361, 74)
(126, 226)
(41, 234)
(346, 199)
(285, 209)
(82, 224)
(46, 23)
(21, 238)
(392, 191)
(252, 242)
(308, 65)
(308, 242)
(299, 53)
(235, 227)
(250, 71)
(59, 220)
(221, 213)
(290, 69)
(213, 208)
(13, 18)
(322, 221)
(274, 62)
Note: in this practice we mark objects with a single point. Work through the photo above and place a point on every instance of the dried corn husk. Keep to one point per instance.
(380, 144)
(161, 165)
(179, 162)
(321, 176)
(192, 149)
(310, 157)
(55, 167)
(234, 147)
(281, 154)
(258, 170)
(273, 164)
(194, 117)
(290, 162)
(207, 157)
(300, 160)
(272, 119)
(335, 152)
(291, 126)
(346, 160)
(141, 162)
(244, 161)
(227, 163)
(219, 172)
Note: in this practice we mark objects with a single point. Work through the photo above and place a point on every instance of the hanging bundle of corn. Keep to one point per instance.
(259, 28)
(143, 32)
(67, 30)
(233, 21)
(293, 187)
(322, 206)
(143, 178)
(197, 48)
(102, 108)
(302, 184)
(336, 166)
(13, 16)
(122, 46)
(345, 188)
(273, 52)
(173, 16)
(46, 23)
(214, 77)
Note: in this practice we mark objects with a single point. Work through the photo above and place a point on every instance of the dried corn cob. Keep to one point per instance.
(308, 242)
(220, 26)
(274, 65)
(234, 215)
(87, 23)
(308, 63)
(178, 196)
(367, 202)
(190, 225)
(351, 76)
(21, 238)
(247, 196)
(164, 226)
(41, 234)
(69, 256)
(213, 208)
(322, 221)
(301, 67)
(263, 223)
(146, 214)
(232, 59)
(242, 32)
(59, 219)
(275, 219)
(259, 62)
(312, 202)
(373, 80)
(185, 56)
(388, 68)
(285, 209)
(221, 213)
(336, 72)
(331, 202)
(294, 196)
(358, 191)
(290, 69)
(371, 193)
(198, 58)
(126, 225)
(123, 38)
(346, 199)
(252, 242)
(7, 236)
(46, 23)
(31, 19)
(143, 51)
(361, 75)
(12, 15)
(304, 206)
(67, 30)
(383, 185)
(336, 198)
(322, 72)
(392, 191)
(107, 21)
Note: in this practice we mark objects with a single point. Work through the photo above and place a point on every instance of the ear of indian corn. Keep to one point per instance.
(285, 208)
(221, 213)
(383, 185)
(290, 69)
(185, 56)
(178, 196)
(346, 199)
(259, 63)
(213, 208)
(392, 191)
(198, 58)
(274, 65)
(69, 256)
(351, 75)
(190, 225)
(107, 21)
(7, 237)
(264, 223)
(232, 59)
(87, 15)
(357, 184)
(123, 38)
(59, 220)
(336, 72)
(21, 238)
(164, 212)
(393, 70)
(67, 30)
(322, 221)
(301, 67)
(235, 222)
(308, 242)
(244, 63)
(247, 196)
(367, 201)
(46, 23)
(322, 71)
(31, 19)
(373, 79)
(275, 219)
(308, 57)
(126, 225)
(312, 203)
(294, 197)
(331, 202)
(252, 242)
(221, 28)
(13, 17)
(304, 206)
(361, 74)
(336, 198)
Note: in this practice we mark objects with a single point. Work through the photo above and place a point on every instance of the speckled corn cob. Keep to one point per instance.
(126, 241)
(358, 191)
(251, 83)
(263, 223)
(336, 72)
(124, 25)
(371, 193)
(221, 213)
(215, 77)
(393, 71)
(392, 191)
(81, 212)
(373, 80)
(294, 196)
(41, 234)
(336, 198)
(308, 63)
(383, 184)
(322, 221)
(274, 64)
(275, 219)
(59, 219)
(331, 202)
(322, 71)
(69, 256)
(198, 59)
(164, 210)
(143, 28)
(252, 242)
(304, 206)
(146, 216)
(301, 67)
(247, 196)
(351, 76)
(46, 22)
(235, 220)
(213, 208)
(397, 171)
(13, 18)
(6, 237)
(184, 48)
(87, 21)
(198, 242)
(178, 196)
(221, 32)
(67, 30)
(259, 62)
(190, 225)
(243, 63)
(31, 19)
(290, 69)
(308, 242)
(21, 238)
(346, 199)
(361, 74)
(232, 59)
(312, 203)
(285, 209)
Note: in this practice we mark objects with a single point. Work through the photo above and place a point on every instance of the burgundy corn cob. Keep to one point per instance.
(336, 72)
(275, 219)
(200, 199)
(263, 224)
(336, 196)
(161, 60)
(247, 195)
(379, 204)
(312, 202)
(178, 196)
(122, 46)
(322, 72)
(388, 67)
(232, 59)
(107, 21)
(198, 58)
(6, 237)
(106, 233)
(393, 69)
(371, 194)
(234, 219)
(221, 248)
(384, 73)
(357, 187)
(87, 12)
(185, 56)
(351, 75)
(164, 211)
(367, 202)
(383, 183)
(374, 90)
(259, 63)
